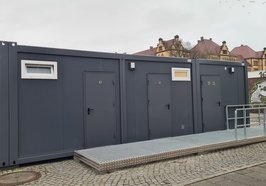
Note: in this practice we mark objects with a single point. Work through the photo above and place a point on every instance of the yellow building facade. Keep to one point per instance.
(171, 48)
(259, 63)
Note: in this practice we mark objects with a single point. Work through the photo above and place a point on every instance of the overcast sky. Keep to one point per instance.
(131, 25)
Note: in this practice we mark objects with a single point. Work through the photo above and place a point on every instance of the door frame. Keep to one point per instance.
(201, 97)
(147, 96)
(117, 107)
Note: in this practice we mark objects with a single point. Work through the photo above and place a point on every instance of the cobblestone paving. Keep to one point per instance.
(172, 172)
(249, 176)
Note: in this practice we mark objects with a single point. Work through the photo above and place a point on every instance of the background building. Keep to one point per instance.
(208, 49)
(256, 60)
(170, 48)
(204, 49)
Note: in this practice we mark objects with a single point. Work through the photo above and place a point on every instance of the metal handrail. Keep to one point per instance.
(244, 110)
(243, 106)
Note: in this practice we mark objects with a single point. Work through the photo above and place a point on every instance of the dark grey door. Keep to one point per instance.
(211, 103)
(159, 105)
(100, 109)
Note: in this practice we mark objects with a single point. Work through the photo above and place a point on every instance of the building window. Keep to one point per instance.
(225, 52)
(31, 69)
(160, 48)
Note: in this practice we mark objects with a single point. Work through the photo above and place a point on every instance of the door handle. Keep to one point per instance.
(90, 110)
(168, 106)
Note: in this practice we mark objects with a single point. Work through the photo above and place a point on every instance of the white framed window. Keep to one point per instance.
(181, 74)
(32, 69)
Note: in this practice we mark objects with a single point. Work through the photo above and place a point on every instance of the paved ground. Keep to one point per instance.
(172, 172)
(250, 176)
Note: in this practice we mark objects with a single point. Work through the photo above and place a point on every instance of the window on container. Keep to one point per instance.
(39, 69)
(180, 74)
(31, 69)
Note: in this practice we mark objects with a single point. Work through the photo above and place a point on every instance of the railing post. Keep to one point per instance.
(236, 124)
(264, 120)
(227, 118)
(245, 123)
(259, 114)
(244, 106)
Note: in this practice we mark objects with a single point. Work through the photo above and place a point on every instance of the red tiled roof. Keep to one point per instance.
(168, 43)
(259, 54)
(205, 47)
(244, 51)
(149, 52)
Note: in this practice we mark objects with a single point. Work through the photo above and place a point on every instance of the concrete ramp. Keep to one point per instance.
(124, 155)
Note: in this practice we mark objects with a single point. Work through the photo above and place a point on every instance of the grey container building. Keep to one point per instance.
(55, 101)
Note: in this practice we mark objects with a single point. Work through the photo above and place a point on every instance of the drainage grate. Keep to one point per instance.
(17, 178)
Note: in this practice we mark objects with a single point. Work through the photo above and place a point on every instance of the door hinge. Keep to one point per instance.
(201, 82)
(201, 99)
(113, 104)
(113, 82)
(148, 101)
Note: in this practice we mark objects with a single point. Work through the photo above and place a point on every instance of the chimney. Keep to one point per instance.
(210, 39)
(151, 47)
(160, 39)
(224, 42)
(201, 38)
(176, 36)
(264, 48)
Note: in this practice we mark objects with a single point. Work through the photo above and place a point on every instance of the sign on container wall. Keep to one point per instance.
(257, 86)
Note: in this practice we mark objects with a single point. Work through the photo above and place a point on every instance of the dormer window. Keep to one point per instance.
(160, 48)
(224, 51)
